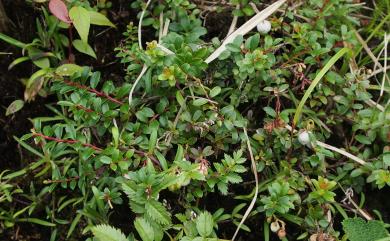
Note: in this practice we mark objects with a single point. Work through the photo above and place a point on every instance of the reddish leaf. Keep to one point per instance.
(59, 9)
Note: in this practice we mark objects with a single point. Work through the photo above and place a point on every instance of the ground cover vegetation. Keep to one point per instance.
(197, 120)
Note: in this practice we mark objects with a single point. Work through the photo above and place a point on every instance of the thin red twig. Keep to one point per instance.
(98, 93)
(49, 138)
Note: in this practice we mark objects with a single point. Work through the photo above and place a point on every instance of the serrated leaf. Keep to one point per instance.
(14, 107)
(205, 224)
(59, 9)
(99, 19)
(157, 212)
(84, 47)
(105, 232)
(144, 229)
(359, 230)
(81, 21)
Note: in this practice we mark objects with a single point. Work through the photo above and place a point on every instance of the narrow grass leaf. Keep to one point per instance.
(315, 82)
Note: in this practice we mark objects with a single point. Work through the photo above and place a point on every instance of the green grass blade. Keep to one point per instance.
(12, 41)
(316, 80)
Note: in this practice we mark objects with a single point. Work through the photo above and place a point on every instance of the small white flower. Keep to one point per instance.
(264, 27)
(304, 138)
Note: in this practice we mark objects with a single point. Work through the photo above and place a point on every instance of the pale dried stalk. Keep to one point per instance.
(234, 23)
(384, 65)
(140, 24)
(372, 56)
(254, 169)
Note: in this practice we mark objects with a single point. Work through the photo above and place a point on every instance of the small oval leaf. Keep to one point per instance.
(14, 107)
(59, 9)
(68, 69)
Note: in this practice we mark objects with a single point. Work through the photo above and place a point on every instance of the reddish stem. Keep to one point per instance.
(98, 93)
(70, 44)
(49, 138)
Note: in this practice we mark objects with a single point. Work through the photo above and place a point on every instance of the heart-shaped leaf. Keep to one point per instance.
(59, 9)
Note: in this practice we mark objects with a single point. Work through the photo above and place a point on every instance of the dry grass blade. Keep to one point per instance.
(373, 58)
(140, 24)
(244, 29)
(384, 64)
(143, 71)
(252, 204)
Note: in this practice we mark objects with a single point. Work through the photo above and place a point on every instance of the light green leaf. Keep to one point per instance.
(205, 224)
(18, 61)
(68, 69)
(81, 21)
(157, 212)
(144, 229)
(215, 91)
(15, 106)
(99, 19)
(105, 232)
(199, 102)
(84, 47)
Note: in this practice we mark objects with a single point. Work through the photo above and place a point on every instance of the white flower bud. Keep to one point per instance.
(304, 138)
(264, 27)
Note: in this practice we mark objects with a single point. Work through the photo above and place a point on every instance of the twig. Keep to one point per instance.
(234, 22)
(98, 93)
(384, 65)
(49, 138)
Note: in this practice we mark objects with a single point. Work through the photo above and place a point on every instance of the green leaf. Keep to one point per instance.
(81, 21)
(14, 107)
(115, 135)
(157, 212)
(363, 139)
(105, 232)
(359, 230)
(215, 91)
(99, 19)
(18, 61)
(205, 224)
(84, 47)
(105, 159)
(252, 42)
(68, 69)
(144, 229)
(12, 41)
(153, 140)
(199, 102)
(180, 98)
(37, 221)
